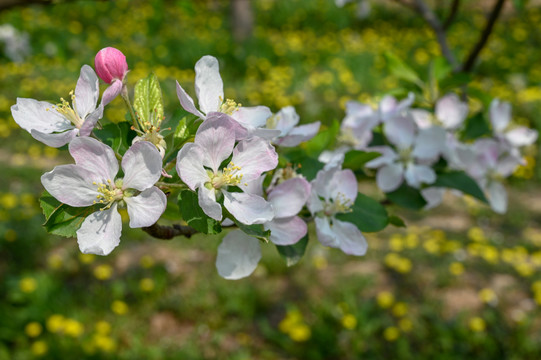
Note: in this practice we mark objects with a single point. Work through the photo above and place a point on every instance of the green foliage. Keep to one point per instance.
(367, 214)
(401, 70)
(118, 136)
(194, 216)
(407, 197)
(397, 221)
(461, 181)
(292, 254)
(148, 100)
(62, 219)
(475, 127)
(356, 159)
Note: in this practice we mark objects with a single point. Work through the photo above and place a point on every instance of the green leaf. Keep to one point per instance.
(407, 197)
(356, 159)
(397, 221)
(461, 181)
(293, 253)
(476, 126)
(401, 70)
(118, 136)
(61, 219)
(194, 216)
(323, 140)
(440, 68)
(368, 214)
(148, 100)
(255, 230)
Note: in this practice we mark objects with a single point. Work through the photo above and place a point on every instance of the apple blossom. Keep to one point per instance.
(112, 68)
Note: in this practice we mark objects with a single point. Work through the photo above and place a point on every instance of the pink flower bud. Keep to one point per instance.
(110, 64)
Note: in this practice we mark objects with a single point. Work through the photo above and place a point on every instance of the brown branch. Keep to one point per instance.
(483, 38)
(165, 232)
(452, 14)
(430, 17)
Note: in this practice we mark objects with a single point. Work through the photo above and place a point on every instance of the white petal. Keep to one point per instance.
(507, 165)
(333, 182)
(87, 92)
(497, 197)
(419, 174)
(286, 231)
(247, 208)
(289, 197)
(255, 116)
(90, 121)
(208, 84)
(70, 184)
(190, 166)
(146, 208)
(31, 115)
(254, 156)
(112, 92)
(390, 177)
(285, 119)
(422, 118)
(433, 196)
(96, 157)
(388, 156)
(325, 234)
(55, 139)
(238, 255)
(267, 134)
(400, 131)
(314, 204)
(521, 136)
(451, 111)
(299, 134)
(217, 139)
(500, 115)
(142, 165)
(187, 102)
(207, 201)
(430, 143)
(255, 186)
(100, 232)
(351, 240)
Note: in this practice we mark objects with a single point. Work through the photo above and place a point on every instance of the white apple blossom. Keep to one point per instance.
(92, 180)
(290, 135)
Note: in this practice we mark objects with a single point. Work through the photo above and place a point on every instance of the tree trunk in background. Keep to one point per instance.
(242, 19)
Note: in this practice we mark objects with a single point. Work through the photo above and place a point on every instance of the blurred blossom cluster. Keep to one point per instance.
(16, 43)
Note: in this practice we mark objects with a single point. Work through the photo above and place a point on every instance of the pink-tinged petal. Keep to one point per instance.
(254, 156)
(238, 255)
(240, 131)
(100, 232)
(217, 138)
(521, 136)
(388, 156)
(146, 208)
(96, 157)
(487, 152)
(208, 84)
(507, 165)
(430, 143)
(451, 111)
(252, 117)
(332, 183)
(497, 197)
(400, 131)
(422, 118)
(110, 64)
(351, 240)
(289, 197)
(90, 121)
(387, 105)
(267, 134)
(55, 139)
(500, 115)
(284, 120)
(355, 111)
(299, 134)
(190, 166)
(433, 196)
(87, 92)
(314, 203)
(111, 92)
(254, 187)
(187, 102)
(419, 174)
(31, 115)
(334, 158)
(247, 208)
(325, 234)
(286, 231)
(207, 201)
(71, 185)
(142, 165)
(390, 177)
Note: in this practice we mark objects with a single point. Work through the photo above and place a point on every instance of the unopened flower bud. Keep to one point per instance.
(110, 64)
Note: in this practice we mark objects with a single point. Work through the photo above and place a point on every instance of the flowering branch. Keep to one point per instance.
(452, 14)
(165, 232)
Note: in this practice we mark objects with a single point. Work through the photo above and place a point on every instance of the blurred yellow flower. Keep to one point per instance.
(104, 343)
(87, 258)
(55, 323)
(320, 262)
(73, 328)
(300, 332)
(391, 333)
(28, 285)
(54, 261)
(349, 321)
(476, 234)
(39, 348)
(477, 324)
(119, 307)
(8, 201)
(146, 284)
(400, 309)
(456, 268)
(385, 299)
(103, 272)
(103, 327)
(33, 329)
(146, 261)
(10, 235)
(405, 325)
(488, 296)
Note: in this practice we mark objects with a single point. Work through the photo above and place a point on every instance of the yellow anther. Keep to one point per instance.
(229, 106)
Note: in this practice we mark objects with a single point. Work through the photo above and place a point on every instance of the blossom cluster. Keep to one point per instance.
(233, 160)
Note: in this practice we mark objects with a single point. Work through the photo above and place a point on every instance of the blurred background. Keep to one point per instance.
(458, 282)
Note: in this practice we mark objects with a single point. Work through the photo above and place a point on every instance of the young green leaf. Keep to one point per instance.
(148, 100)
(461, 181)
(195, 216)
(292, 254)
(407, 197)
(368, 214)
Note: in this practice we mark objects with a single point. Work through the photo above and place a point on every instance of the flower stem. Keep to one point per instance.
(126, 98)
(172, 185)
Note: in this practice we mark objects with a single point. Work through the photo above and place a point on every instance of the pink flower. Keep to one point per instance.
(111, 67)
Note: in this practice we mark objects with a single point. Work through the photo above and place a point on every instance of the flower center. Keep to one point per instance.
(229, 106)
(405, 155)
(347, 137)
(228, 176)
(109, 193)
(341, 204)
(272, 121)
(65, 110)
